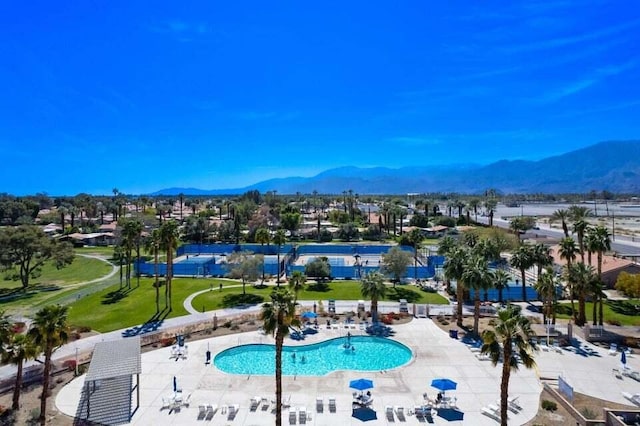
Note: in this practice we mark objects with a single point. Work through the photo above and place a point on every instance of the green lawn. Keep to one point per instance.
(107, 252)
(621, 312)
(111, 309)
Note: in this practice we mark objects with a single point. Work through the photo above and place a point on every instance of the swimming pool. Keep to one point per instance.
(369, 354)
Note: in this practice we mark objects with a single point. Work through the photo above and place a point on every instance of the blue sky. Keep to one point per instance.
(207, 94)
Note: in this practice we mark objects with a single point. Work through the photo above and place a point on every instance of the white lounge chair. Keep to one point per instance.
(211, 409)
(490, 413)
(389, 413)
(513, 402)
(202, 412)
(293, 415)
(302, 415)
(400, 413)
(332, 404)
(255, 402)
(613, 349)
(635, 398)
(233, 411)
(319, 405)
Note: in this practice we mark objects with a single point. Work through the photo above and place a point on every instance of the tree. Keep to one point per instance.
(168, 242)
(522, 259)
(373, 287)
(153, 244)
(546, 288)
(25, 249)
(562, 216)
(395, 262)
(415, 239)
(454, 267)
(319, 268)
(510, 340)
(541, 256)
(131, 235)
(297, 282)
(500, 281)
(262, 236)
(277, 317)
(476, 276)
(348, 231)
(279, 239)
(20, 348)
(246, 266)
(567, 251)
(582, 277)
(49, 330)
(599, 241)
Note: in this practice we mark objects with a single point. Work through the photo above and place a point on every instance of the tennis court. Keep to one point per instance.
(334, 260)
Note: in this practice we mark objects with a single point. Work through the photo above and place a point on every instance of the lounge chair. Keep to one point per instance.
(513, 402)
(543, 346)
(389, 413)
(635, 398)
(319, 405)
(293, 415)
(491, 413)
(302, 415)
(202, 412)
(255, 403)
(400, 413)
(166, 403)
(332, 404)
(211, 409)
(613, 349)
(233, 411)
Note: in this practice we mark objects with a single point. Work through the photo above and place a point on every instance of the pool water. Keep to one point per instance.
(368, 354)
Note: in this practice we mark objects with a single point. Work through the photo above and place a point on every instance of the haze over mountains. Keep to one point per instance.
(612, 166)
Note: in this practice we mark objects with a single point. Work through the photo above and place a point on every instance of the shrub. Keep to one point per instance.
(588, 413)
(614, 322)
(83, 329)
(18, 327)
(549, 405)
(227, 324)
(167, 341)
(386, 319)
(69, 364)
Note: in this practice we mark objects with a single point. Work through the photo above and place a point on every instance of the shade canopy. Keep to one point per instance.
(309, 314)
(361, 384)
(444, 384)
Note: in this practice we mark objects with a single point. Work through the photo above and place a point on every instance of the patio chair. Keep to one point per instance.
(202, 412)
(332, 404)
(166, 402)
(389, 413)
(255, 401)
(302, 415)
(635, 398)
(211, 409)
(613, 349)
(491, 413)
(513, 402)
(319, 405)
(293, 415)
(232, 412)
(400, 413)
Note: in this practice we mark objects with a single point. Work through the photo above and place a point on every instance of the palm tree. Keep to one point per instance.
(546, 288)
(279, 239)
(561, 215)
(297, 282)
(131, 234)
(454, 267)
(500, 281)
(511, 341)
(580, 227)
(20, 348)
(262, 237)
(541, 256)
(600, 242)
(168, 242)
(415, 238)
(567, 251)
(522, 259)
(49, 330)
(277, 317)
(373, 287)
(476, 276)
(152, 244)
(582, 277)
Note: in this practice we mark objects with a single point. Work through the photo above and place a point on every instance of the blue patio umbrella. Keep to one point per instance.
(444, 384)
(361, 384)
(175, 384)
(309, 315)
(364, 414)
(623, 359)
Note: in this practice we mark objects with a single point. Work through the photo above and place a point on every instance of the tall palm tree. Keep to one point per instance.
(546, 288)
(168, 242)
(561, 215)
(152, 244)
(454, 267)
(19, 349)
(541, 256)
(582, 277)
(279, 239)
(567, 251)
(263, 237)
(415, 238)
(522, 259)
(373, 287)
(49, 330)
(600, 242)
(476, 276)
(131, 235)
(510, 340)
(500, 281)
(277, 317)
(580, 227)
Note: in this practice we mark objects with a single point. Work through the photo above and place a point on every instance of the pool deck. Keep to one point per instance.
(587, 368)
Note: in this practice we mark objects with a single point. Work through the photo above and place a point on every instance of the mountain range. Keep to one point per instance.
(613, 166)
